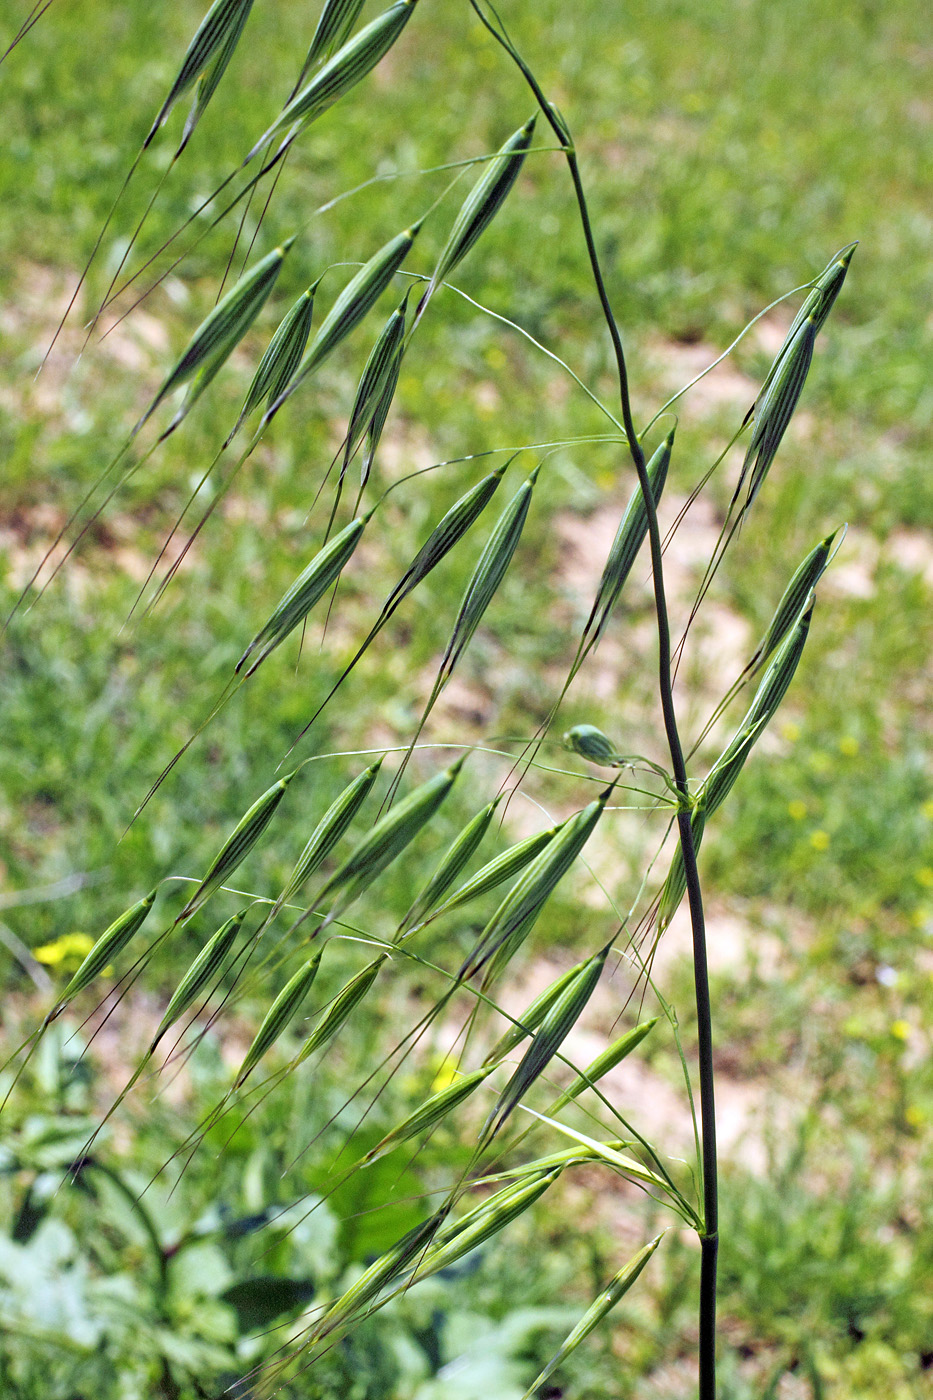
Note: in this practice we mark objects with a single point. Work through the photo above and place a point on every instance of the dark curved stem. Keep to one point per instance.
(709, 1238)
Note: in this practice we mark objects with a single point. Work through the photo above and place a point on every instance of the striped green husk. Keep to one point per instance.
(442, 539)
(488, 574)
(775, 408)
(450, 865)
(533, 1015)
(380, 376)
(481, 205)
(238, 844)
(459, 1237)
(815, 308)
(389, 837)
(221, 331)
(805, 579)
(449, 530)
(486, 577)
(380, 414)
(282, 357)
(348, 310)
(282, 1011)
(615, 1289)
(429, 1113)
(497, 871)
(783, 384)
(768, 697)
(592, 744)
(349, 65)
(546, 1041)
(333, 28)
(613, 1055)
(343, 1003)
(519, 911)
(633, 527)
(210, 78)
(208, 962)
(111, 943)
(816, 305)
(329, 830)
(379, 1274)
(310, 585)
(729, 765)
(215, 37)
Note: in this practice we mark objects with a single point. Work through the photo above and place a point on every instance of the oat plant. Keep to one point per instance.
(511, 1079)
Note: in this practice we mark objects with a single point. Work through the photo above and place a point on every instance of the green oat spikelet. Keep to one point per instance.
(629, 538)
(728, 766)
(333, 29)
(519, 911)
(388, 838)
(561, 1017)
(281, 359)
(360, 293)
(497, 871)
(774, 410)
(110, 944)
(806, 577)
(379, 377)
(429, 1114)
(346, 1000)
(615, 1289)
(208, 962)
(378, 1276)
(349, 65)
(282, 1011)
(675, 885)
(489, 573)
(533, 1015)
(450, 865)
(310, 586)
(607, 1060)
(457, 1238)
(328, 832)
(491, 568)
(218, 335)
(238, 844)
(480, 207)
(208, 55)
(768, 697)
(449, 530)
(209, 80)
(817, 304)
(775, 404)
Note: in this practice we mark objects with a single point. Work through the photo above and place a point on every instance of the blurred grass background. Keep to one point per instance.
(729, 152)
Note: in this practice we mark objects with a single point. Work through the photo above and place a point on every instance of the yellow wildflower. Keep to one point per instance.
(71, 947)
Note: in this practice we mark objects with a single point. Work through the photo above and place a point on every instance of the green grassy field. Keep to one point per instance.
(729, 154)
